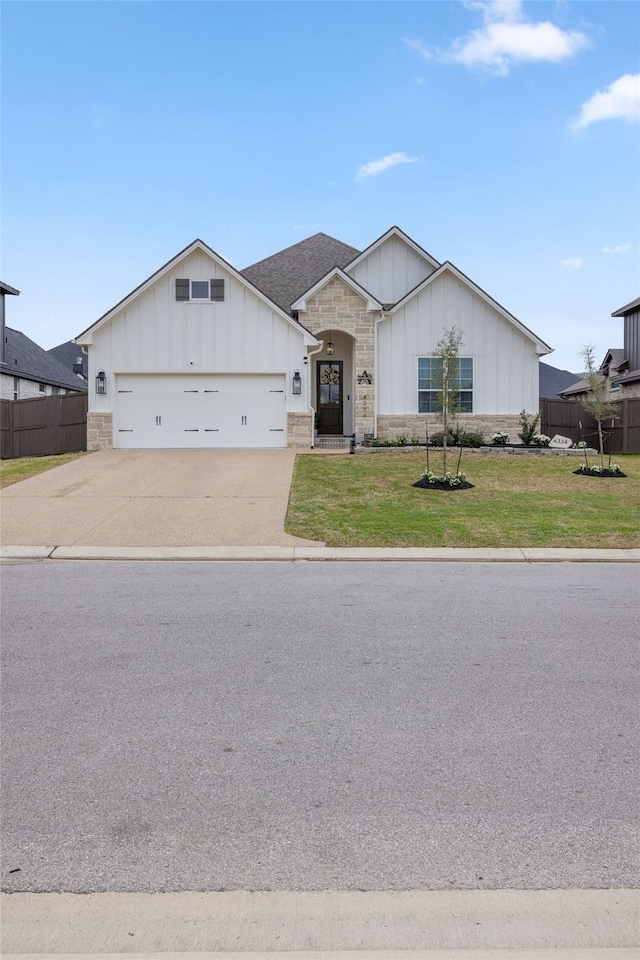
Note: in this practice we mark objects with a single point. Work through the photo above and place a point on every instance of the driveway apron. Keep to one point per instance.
(135, 498)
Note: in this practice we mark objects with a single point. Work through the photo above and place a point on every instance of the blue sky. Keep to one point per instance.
(502, 136)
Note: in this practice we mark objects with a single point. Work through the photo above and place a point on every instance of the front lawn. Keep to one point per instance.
(517, 501)
(13, 470)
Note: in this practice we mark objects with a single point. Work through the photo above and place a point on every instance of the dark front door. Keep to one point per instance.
(330, 396)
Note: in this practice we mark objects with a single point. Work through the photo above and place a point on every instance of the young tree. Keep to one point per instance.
(446, 352)
(596, 402)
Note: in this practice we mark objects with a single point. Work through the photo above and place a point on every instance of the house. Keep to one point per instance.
(553, 381)
(320, 339)
(628, 381)
(26, 370)
(620, 367)
(72, 358)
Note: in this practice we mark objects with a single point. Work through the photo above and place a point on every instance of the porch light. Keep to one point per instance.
(101, 382)
(297, 383)
(329, 349)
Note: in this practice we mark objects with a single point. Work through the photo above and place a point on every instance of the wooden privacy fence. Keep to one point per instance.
(43, 426)
(564, 417)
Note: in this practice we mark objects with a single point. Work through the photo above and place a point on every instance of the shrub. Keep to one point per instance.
(540, 440)
(528, 427)
(460, 438)
(416, 441)
(500, 439)
(401, 441)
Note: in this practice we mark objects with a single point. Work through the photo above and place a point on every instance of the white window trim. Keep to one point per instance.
(206, 299)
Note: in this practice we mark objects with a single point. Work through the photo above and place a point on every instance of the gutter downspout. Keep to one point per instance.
(376, 374)
(311, 353)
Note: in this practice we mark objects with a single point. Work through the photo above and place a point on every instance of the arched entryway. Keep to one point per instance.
(333, 394)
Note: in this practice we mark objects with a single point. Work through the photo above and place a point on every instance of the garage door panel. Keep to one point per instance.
(200, 411)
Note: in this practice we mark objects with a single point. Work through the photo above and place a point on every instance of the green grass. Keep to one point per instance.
(517, 501)
(11, 471)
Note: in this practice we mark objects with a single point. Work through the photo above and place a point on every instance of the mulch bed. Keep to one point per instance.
(610, 474)
(441, 485)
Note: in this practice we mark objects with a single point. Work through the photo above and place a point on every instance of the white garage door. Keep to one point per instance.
(173, 410)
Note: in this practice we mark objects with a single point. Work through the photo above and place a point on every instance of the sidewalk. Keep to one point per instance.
(321, 553)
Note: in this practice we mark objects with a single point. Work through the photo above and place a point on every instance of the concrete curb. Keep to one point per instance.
(321, 553)
(324, 924)
(597, 954)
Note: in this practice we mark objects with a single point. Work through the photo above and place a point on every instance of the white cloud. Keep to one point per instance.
(572, 263)
(621, 99)
(496, 9)
(374, 167)
(621, 248)
(499, 45)
(507, 38)
(418, 46)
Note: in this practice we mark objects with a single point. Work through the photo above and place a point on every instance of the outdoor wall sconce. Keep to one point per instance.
(329, 349)
(365, 377)
(297, 383)
(101, 382)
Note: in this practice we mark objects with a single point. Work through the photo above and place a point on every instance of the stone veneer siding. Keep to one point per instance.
(99, 431)
(299, 431)
(338, 307)
(391, 426)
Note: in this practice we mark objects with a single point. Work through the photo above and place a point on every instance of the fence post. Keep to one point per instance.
(625, 424)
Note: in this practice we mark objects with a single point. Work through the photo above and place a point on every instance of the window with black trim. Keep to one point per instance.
(42, 388)
(430, 384)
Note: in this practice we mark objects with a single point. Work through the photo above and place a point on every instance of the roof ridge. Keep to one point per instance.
(298, 243)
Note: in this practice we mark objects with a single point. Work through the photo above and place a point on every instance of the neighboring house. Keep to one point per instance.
(553, 381)
(29, 371)
(72, 357)
(203, 355)
(620, 367)
(628, 381)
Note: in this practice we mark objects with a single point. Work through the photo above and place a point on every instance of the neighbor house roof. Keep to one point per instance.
(628, 308)
(286, 275)
(553, 380)
(617, 357)
(24, 358)
(582, 386)
(5, 288)
(67, 354)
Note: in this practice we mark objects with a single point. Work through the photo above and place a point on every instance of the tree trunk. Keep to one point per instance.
(601, 443)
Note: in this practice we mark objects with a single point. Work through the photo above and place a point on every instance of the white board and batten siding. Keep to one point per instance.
(391, 270)
(505, 362)
(159, 341)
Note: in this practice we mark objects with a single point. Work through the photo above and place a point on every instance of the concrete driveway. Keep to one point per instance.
(138, 498)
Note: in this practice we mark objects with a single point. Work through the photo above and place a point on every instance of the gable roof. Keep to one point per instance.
(628, 308)
(552, 380)
(372, 302)
(286, 275)
(67, 354)
(24, 358)
(196, 244)
(447, 266)
(392, 231)
(615, 357)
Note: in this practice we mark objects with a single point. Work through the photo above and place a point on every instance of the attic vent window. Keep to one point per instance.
(199, 291)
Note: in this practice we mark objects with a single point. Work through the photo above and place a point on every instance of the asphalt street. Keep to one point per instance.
(299, 726)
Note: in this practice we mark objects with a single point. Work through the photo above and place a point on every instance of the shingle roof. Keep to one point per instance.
(67, 354)
(553, 380)
(24, 358)
(617, 357)
(286, 275)
(581, 386)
